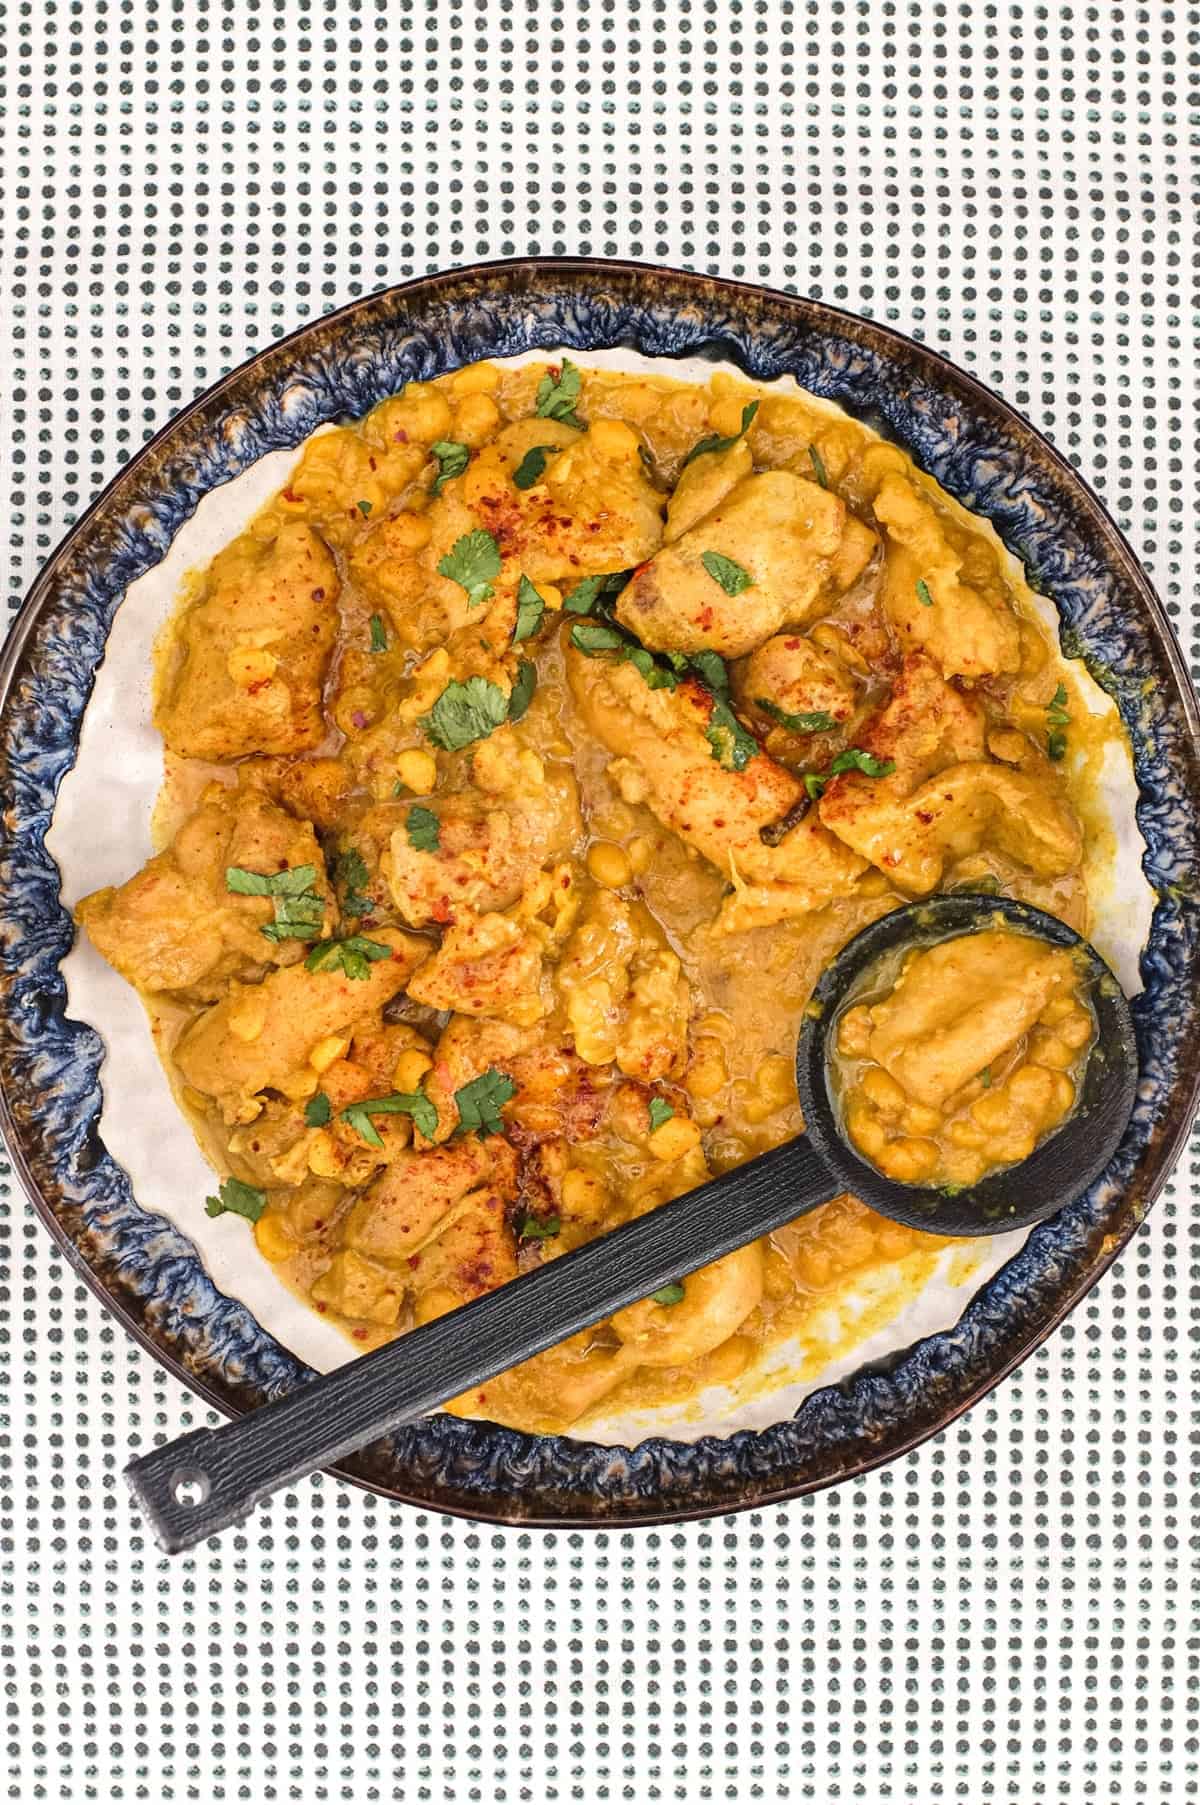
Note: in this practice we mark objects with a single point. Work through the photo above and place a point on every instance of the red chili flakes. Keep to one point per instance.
(400, 436)
(359, 1334)
(262, 683)
(290, 495)
(359, 719)
(318, 595)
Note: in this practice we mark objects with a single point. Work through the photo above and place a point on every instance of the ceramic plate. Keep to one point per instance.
(142, 1263)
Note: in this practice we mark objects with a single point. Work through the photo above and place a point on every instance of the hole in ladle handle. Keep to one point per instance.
(236, 1466)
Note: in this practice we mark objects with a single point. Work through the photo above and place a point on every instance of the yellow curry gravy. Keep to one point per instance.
(529, 756)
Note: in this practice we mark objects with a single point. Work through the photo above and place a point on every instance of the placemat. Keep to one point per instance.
(1009, 1613)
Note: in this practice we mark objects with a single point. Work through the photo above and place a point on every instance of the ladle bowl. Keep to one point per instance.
(206, 1480)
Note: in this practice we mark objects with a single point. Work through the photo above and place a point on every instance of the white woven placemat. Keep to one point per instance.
(1008, 1614)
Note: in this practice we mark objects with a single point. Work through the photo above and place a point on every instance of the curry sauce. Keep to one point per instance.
(529, 757)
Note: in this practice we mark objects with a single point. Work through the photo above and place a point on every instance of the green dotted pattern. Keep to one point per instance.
(1008, 1614)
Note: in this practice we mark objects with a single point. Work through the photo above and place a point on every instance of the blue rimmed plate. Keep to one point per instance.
(983, 454)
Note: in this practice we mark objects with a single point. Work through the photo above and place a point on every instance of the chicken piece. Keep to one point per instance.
(420, 1194)
(486, 965)
(592, 508)
(261, 1036)
(176, 926)
(359, 1289)
(859, 545)
(557, 1096)
(243, 666)
(716, 1302)
(781, 531)
(485, 853)
(796, 678)
(968, 633)
(959, 1006)
(626, 996)
(474, 1253)
(395, 566)
(666, 762)
(703, 485)
(911, 822)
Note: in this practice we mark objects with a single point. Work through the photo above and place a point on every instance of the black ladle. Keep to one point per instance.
(211, 1478)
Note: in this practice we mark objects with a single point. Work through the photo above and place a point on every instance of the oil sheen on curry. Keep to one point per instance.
(528, 758)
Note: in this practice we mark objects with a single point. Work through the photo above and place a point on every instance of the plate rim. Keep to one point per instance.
(757, 1491)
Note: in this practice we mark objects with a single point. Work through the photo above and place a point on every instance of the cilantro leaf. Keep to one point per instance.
(522, 690)
(529, 470)
(587, 592)
(816, 722)
(655, 674)
(416, 1104)
(424, 829)
(710, 668)
(852, 759)
(660, 1112)
(364, 507)
(924, 594)
(317, 1111)
(714, 440)
(479, 1103)
(379, 638)
(236, 1199)
(352, 874)
(591, 639)
(669, 1294)
(452, 460)
(732, 577)
(299, 911)
(355, 955)
(818, 464)
(533, 1230)
(1056, 745)
(732, 745)
(557, 395)
(473, 562)
(530, 609)
(465, 712)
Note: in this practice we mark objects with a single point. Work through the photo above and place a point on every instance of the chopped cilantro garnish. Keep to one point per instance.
(1057, 717)
(473, 562)
(715, 442)
(585, 595)
(379, 638)
(732, 745)
(352, 873)
(364, 508)
(423, 828)
(529, 470)
(236, 1199)
(479, 1103)
(985, 1077)
(710, 668)
(732, 577)
(299, 911)
(317, 1111)
(533, 1230)
(530, 609)
(924, 596)
(452, 460)
(557, 395)
(818, 464)
(591, 639)
(1056, 745)
(852, 759)
(669, 1294)
(815, 722)
(660, 1112)
(400, 1103)
(465, 712)
(355, 955)
(522, 690)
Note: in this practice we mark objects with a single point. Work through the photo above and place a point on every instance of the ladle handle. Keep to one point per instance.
(204, 1481)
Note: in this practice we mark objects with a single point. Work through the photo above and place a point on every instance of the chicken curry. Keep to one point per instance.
(527, 759)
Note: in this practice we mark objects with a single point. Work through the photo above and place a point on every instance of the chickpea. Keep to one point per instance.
(729, 1361)
(993, 1111)
(273, 1237)
(553, 598)
(476, 419)
(1057, 1010)
(641, 854)
(476, 379)
(1031, 1089)
(965, 1133)
(326, 1051)
(776, 1081)
(674, 1139)
(881, 1090)
(1062, 1099)
(417, 771)
(608, 864)
(813, 1265)
(909, 1161)
(919, 1118)
(777, 1275)
(1050, 1049)
(411, 1067)
(585, 1195)
(963, 1167)
(1076, 1029)
(614, 441)
(854, 1032)
(865, 1129)
(421, 412)
(707, 1072)
(725, 416)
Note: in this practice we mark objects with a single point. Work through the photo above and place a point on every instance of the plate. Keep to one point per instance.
(983, 454)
